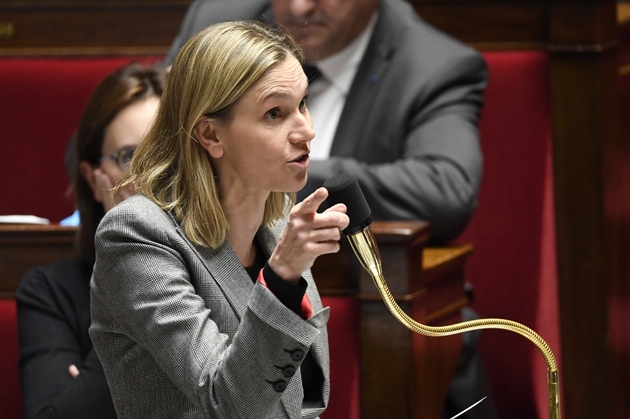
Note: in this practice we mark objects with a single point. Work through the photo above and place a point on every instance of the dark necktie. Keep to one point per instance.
(312, 73)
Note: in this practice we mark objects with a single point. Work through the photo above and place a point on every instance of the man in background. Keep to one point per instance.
(395, 103)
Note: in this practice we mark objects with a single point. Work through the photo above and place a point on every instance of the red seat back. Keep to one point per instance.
(513, 266)
(10, 392)
(42, 102)
(343, 342)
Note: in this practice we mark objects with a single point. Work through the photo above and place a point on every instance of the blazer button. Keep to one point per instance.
(297, 355)
(279, 386)
(288, 371)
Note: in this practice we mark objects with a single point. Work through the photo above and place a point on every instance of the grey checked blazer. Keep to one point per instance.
(183, 332)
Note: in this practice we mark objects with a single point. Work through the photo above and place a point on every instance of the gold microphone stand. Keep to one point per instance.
(364, 246)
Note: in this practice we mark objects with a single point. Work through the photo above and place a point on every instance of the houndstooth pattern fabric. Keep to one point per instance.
(183, 332)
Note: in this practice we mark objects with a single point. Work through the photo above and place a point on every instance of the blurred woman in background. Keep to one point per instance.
(61, 375)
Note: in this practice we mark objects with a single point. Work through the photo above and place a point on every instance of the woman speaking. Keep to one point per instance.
(203, 305)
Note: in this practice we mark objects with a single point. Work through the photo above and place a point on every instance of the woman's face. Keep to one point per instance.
(266, 143)
(125, 130)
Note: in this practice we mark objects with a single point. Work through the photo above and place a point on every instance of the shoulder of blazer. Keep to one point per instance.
(209, 12)
(398, 20)
(398, 24)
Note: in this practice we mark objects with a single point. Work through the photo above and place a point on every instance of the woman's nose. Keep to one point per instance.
(304, 131)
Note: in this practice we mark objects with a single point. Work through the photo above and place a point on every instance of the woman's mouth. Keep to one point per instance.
(302, 161)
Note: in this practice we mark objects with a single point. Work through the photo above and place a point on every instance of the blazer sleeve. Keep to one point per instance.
(142, 296)
(437, 170)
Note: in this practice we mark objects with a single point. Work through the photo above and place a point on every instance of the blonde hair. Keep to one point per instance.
(209, 76)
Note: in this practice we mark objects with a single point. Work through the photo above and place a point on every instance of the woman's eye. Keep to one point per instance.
(273, 114)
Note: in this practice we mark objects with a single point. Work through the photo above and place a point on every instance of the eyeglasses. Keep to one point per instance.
(122, 157)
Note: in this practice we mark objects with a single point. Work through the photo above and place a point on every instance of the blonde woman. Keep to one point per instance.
(203, 305)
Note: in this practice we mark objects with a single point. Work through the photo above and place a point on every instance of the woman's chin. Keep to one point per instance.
(296, 186)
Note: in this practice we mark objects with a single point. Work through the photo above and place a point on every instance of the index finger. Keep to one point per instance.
(310, 204)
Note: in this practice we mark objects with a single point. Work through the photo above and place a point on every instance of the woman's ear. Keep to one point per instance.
(206, 134)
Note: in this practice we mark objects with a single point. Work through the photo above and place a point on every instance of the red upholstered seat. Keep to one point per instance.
(343, 342)
(42, 102)
(513, 266)
(10, 393)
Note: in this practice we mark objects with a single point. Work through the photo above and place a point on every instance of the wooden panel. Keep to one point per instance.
(403, 374)
(490, 25)
(583, 23)
(583, 280)
(24, 246)
(89, 27)
(619, 307)
(623, 20)
(586, 129)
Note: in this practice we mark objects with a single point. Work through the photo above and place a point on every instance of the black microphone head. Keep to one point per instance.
(344, 188)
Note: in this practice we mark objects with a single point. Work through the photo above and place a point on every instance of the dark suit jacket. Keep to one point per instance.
(182, 331)
(408, 131)
(53, 304)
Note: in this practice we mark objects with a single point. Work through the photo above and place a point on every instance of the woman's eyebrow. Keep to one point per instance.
(278, 93)
(275, 94)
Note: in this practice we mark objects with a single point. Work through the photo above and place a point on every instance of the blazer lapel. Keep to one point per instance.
(229, 274)
(226, 270)
(366, 84)
(224, 267)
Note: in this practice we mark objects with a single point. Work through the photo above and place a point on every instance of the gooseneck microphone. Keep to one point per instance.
(345, 189)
